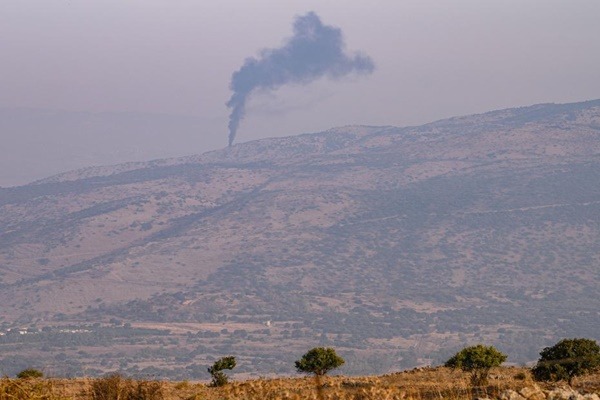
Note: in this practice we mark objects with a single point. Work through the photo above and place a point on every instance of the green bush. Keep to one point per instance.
(30, 373)
(216, 371)
(566, 360)
(319, 361)
(478, 360)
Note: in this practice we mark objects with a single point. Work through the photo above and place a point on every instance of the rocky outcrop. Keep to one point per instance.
(536, 393)
(510, 394)
(532, 393)
(570, 394)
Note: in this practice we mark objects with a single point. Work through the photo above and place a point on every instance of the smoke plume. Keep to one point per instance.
(315, 50)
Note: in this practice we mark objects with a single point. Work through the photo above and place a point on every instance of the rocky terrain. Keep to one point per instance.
(395, 245)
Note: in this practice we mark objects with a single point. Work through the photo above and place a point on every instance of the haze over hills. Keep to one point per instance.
(395, 245)
(38, 143)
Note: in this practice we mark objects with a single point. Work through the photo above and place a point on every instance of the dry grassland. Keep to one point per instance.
(423, 384)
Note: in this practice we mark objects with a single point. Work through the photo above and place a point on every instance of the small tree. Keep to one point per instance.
(566, 360)
(216, 371)
(478, 360)
(319, 361)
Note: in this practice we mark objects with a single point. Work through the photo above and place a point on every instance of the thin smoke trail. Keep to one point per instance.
(314, 51)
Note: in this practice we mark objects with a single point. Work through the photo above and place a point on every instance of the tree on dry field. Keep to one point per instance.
(216, 371)
(478, 360)
(566, 360)
(319, 361)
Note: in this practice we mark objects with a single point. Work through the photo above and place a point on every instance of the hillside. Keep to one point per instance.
(395, 245)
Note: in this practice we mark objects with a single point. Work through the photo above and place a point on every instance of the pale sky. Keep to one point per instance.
(434, 59)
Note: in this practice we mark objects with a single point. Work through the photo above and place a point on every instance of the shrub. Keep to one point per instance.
(30, 373)
(26, 389)
(319, 361)
(478, 360)
(146, 390)
(110, 387)
(566, 360)
(216, 371)
(520, 376)
(116, 387)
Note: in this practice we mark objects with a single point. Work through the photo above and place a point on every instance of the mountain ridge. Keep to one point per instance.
(526, 110)
(394, 244)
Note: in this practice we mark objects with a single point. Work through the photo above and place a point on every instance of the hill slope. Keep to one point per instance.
(393, 244)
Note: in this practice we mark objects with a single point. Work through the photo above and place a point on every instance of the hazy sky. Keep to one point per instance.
(434, 59)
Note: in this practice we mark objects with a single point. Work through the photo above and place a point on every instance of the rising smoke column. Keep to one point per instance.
(315, 50)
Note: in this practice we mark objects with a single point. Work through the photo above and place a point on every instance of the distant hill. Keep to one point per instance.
(395, 245)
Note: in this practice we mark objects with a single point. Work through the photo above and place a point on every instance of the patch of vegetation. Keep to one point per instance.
(319, 361)
(567, 359)
(216, 371)
(117, 387)
(478, 360)
(30, 373)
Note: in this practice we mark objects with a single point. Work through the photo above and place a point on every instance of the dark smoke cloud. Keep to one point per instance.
(315, 50)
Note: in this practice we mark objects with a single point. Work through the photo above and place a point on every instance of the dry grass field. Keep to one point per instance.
(421, 384)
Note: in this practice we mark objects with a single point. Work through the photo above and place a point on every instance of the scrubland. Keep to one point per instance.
(421, 384)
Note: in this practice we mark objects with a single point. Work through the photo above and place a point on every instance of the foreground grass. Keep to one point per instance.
(424, 384)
